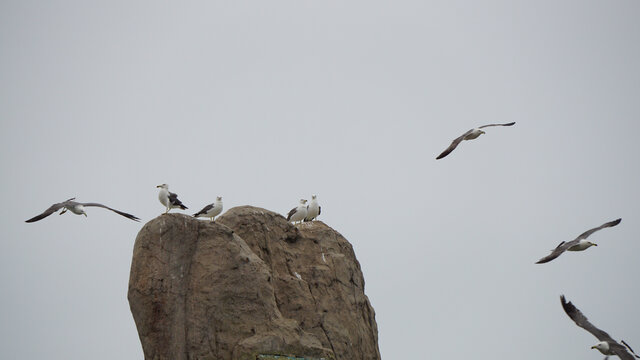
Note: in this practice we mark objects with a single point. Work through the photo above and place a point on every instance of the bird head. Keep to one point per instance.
(219, 198)
(79, 209)
(602, 346)
(303, 201)
(482, 132)
(163, 186)
(313, 197)
(592, 244)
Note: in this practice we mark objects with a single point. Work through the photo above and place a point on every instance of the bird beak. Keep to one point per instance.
(593, 347)
(595, 244)
(158, 186)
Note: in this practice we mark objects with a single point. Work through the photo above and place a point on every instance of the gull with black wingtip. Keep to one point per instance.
(469, 135)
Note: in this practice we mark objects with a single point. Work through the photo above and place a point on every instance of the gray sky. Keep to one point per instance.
(265, 102)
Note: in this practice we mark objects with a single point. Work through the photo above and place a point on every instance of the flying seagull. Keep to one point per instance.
(76, 208)
(607, 345)
(469, 135)
(169, 199)
(578, 244)
(299, 212)
(211, 210)
(313, 209)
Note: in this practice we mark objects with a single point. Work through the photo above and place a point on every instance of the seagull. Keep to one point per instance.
(76, 208)
(578, 244)
(313, 209)
(298, 213)
(469, 135)
(169, 199)
(211, 210)
(607, 346)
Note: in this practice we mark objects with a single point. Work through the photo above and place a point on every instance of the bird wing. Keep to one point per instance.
(293, 211)
(204, 210)
(53, 208)
(582, 321)
(630, 349)
(586, 234)
(319, 209)
(453, 145)
(508, 124)
(173, 200)
(621, 350)
(128, 216)
(562, 247)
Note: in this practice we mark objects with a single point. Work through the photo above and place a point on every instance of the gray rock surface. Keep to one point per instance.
(248, 284)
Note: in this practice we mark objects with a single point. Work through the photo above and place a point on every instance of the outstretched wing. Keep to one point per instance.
(582, 321)
(630, 349)
(508, 124)
(53, 208)
(454, 144)
(562, 247)
(204, 210)
(622, 351)
(586, 234)
(128, 216)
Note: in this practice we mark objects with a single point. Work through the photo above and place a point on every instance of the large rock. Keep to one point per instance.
(249, 284)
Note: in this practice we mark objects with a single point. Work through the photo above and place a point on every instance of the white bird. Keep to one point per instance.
(578, 244)
(607, 346)
(76, 208)
(469, 135)
(211, 210)
(299, 212)
(313, 209)
(169, 199)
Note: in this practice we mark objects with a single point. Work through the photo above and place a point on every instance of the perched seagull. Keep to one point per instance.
(298, 213)
(313, 209)
(607, 346)
(169, 199)
(578, 244)
(76, 208)
(469, 135)
(211, 210)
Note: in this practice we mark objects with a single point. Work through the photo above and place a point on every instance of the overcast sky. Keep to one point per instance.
(266, 102)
